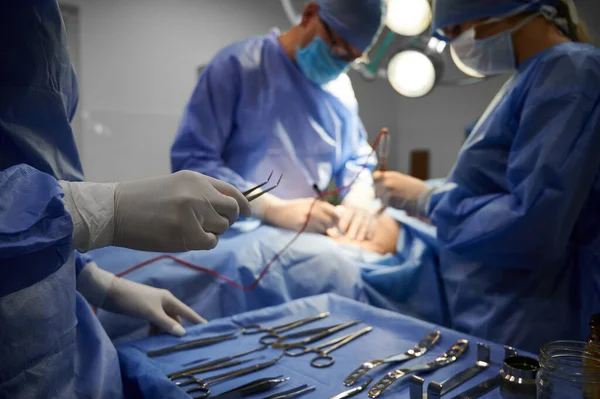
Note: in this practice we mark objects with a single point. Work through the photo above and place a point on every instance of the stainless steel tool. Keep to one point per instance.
(418, 350)
(444, 360)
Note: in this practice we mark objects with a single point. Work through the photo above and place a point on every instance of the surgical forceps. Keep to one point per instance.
(203, 384)
(323, 358)
(383, 151)
(216, 362)
(272, 334)
(251, 198)
(198, 343)
(254, 387)
(418, 350)
(313, 335)
(292, 393)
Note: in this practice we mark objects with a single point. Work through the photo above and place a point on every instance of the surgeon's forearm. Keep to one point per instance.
(92, 208)
(93, 284)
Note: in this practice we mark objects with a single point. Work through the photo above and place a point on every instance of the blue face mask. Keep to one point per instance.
(318, 64)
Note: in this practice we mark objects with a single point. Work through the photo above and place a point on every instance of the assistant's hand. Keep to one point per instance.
(107, 291)
(402, 191)
(291, 214)
(356, 223)
(160, 307)
(173, 213)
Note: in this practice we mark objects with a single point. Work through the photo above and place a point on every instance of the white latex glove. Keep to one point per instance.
(291, 214)
(174, 213)
(402, 192)
(109, 292)
(357, 223)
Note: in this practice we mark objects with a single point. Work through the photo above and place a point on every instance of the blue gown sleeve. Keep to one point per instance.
(35, 228)
(208, 121)
(551, 168)
(359, 160)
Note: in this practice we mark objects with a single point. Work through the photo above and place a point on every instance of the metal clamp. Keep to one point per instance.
(488, 385)
(435, 390)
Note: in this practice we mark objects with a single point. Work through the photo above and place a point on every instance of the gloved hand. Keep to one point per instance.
(357, 223)
(402, 192)
(174, 213)
(291, 214)
(109, 292)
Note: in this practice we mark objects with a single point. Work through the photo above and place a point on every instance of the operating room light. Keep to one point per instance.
(411, 73)
(408, 17)
(463, 68)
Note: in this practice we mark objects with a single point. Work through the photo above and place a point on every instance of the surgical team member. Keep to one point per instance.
(518, 219)
(283, 103)
(52, 345)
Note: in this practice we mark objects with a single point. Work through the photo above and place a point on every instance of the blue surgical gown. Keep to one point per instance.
(52, 344)
(253, 112)
(518, 219)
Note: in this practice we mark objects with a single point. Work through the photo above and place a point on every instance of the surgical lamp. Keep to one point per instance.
(417, 64)
(408, 17)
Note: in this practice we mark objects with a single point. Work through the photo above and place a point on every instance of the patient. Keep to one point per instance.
(383, 240)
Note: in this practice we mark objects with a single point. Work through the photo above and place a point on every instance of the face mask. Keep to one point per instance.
(491, 56)
(318, 64)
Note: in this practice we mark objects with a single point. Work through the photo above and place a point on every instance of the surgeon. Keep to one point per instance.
(283, 103)
(52, 345)
(518, 219)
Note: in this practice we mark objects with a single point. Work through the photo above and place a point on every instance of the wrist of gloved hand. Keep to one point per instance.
(422, 206)
(92, 208)
(262, 204)
(94, 283)
(361, 195)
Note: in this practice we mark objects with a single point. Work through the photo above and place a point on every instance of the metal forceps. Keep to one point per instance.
(313, 335)
(197, 343)
(251, 198)
(323, 358)
(273, 333)
(383, 151)
(203, 384)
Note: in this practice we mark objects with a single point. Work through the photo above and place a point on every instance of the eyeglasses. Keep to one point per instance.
(338, 49)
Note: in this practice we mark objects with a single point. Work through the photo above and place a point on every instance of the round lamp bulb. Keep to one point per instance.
(408, 17)
(411, 73)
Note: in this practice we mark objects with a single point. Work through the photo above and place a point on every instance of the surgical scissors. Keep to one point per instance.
(323, 358)
(272, 334)
(203, 384)
(319, 333)
(251, 198)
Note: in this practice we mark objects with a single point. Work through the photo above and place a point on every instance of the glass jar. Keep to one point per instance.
(569, 370)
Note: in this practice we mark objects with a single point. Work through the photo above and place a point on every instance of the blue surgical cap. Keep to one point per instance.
(359, 22)
(452, 12)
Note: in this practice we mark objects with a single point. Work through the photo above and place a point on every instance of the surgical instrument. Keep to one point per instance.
(251, 198)
(198, 343)
(203, 384)
(323, 358)
(273, 332)
(292, 393)
(225, 359)
(203, 369)
(252, 388)
(444, 360)
(220, 361)
(488, 385)
(278, 344)
(435, 390)
(418, 350)
(383, 151)
(354, 391)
